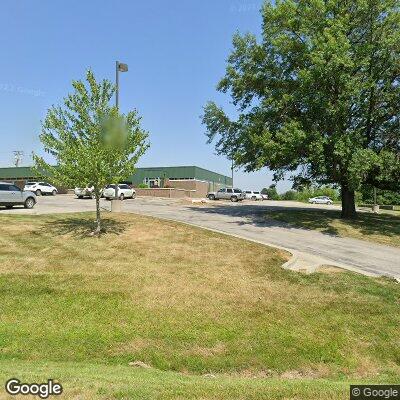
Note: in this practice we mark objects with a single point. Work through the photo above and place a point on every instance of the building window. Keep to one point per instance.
(152, 182)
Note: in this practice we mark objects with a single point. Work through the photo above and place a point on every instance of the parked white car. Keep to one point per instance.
(124, 192)
(320, 200)
(40, 188)
(251, 195)
(84, 192)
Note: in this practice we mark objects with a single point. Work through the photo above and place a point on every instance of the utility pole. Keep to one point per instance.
(18, 157)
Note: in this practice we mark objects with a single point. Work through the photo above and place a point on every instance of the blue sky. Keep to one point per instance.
(176, 52)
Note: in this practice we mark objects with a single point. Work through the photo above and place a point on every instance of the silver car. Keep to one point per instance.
(227, 194)
(11, 195)
(320, 200)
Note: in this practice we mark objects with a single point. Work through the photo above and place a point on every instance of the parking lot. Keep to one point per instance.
(67, 203)
(311, 249)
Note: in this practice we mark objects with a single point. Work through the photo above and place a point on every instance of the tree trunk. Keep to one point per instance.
(98, 219)
(348, 203)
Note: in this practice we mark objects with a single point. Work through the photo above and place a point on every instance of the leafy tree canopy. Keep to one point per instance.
(318, 96)
(93, 144)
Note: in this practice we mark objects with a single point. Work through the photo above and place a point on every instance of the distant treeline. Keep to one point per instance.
(366, 195)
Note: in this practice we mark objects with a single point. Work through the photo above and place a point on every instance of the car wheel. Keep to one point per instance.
(121, 196)
(9, 206)
(54, 192)
(133, 195)
(211, 197)
(38, 192)
(329, 203)
(314, 202)
(29, 202)
(80, 197)
(254, 198)
(234, 199)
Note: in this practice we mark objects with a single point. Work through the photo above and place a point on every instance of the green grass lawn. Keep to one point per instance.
(95, 381)
(187, 302)
(381, 228)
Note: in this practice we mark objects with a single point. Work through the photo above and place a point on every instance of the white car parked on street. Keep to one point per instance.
(40, 188)
(124, 192)
(320, 200)
(251, 195)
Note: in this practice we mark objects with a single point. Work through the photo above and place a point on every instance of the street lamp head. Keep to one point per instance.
(122, 67)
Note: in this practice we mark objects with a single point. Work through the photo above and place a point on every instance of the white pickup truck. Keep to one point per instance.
(227, 194)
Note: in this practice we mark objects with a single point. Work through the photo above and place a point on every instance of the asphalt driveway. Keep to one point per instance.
(310, 248)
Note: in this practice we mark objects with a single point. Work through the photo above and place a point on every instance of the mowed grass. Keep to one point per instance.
(187, 302)
(94, 381)
(381, 228)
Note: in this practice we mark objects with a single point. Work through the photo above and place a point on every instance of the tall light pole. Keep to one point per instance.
(119, 67)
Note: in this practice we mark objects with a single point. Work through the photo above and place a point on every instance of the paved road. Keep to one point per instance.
(311, 249)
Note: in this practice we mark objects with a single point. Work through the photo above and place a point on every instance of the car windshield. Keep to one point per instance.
(31, 183)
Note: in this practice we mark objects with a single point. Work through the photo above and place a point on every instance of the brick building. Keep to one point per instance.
(189, 178)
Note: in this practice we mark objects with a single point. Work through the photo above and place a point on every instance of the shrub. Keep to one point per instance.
(271, 192)
(290, 195)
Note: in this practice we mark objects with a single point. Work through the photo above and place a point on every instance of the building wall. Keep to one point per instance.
(170, 193)
(219, 180)
(181, 173)
(201, 188)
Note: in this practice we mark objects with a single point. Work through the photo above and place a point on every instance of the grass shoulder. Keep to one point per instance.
(96, 381)
(381, 228)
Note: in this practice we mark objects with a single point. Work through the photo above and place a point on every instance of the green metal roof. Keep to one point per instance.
(180, 172)
(17, 173)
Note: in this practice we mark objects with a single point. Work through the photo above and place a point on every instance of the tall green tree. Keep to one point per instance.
(92, 143)
(318, 96)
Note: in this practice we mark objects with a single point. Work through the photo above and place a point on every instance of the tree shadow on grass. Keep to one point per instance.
(84, 227)
(328, 222)
(309, 219)
(323, 221)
